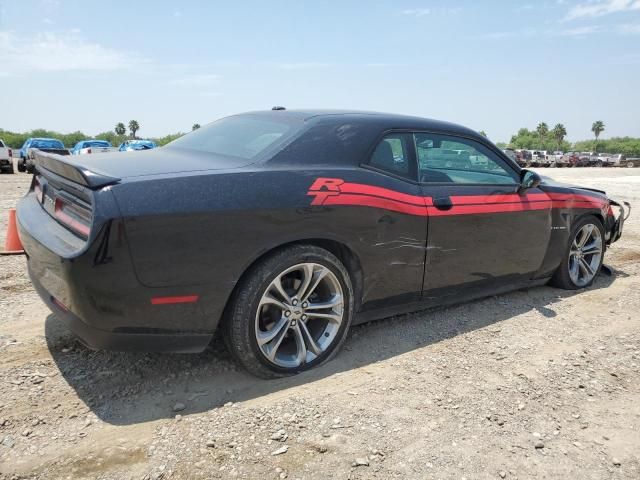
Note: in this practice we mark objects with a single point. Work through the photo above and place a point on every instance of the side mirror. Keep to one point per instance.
(528, 179)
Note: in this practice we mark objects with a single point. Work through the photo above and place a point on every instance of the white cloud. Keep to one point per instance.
(417, 12)
(602, 7)
(195, 80)
(58, 52)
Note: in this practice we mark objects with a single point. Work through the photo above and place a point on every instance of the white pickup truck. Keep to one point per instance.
(6, 158)
(86, 147)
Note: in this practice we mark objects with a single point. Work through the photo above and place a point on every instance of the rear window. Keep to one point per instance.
(242, 136)
(46, 144)
(1, 143)
(96, 144)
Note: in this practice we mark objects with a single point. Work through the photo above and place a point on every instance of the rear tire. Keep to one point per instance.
(583, 257)
(21, 166)
(275, 296)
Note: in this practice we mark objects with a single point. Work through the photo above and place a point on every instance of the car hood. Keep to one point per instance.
(157, 161)
(547, 181)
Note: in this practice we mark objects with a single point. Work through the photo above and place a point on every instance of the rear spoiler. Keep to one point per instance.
(77, 173)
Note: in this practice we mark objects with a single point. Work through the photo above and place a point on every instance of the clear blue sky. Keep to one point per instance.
(493, 65)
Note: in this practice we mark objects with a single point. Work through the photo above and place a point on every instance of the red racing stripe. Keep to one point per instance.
(489, 208)
(333, 191)
(376, 202)
(363, 189)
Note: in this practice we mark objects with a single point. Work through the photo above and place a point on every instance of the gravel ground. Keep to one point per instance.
(540, 383)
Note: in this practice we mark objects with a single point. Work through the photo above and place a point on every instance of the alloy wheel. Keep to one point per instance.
(585, 254)
(299, 315)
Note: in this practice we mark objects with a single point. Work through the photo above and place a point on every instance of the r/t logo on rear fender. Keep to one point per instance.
(322, 188)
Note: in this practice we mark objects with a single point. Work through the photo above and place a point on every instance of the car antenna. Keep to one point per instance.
(277, 107)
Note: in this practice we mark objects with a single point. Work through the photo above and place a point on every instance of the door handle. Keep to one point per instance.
(443, 203)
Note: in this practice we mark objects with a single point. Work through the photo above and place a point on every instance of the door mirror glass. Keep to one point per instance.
(529, 179)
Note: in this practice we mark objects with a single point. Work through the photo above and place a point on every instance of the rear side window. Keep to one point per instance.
(242, 136)
(1, 144)
(393, 154)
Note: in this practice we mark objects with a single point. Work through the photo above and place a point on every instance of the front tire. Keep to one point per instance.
(290, 313)
(583, 256)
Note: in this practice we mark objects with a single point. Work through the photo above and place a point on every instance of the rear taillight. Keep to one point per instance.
(10, 153)
(88, 150)
(74, 216)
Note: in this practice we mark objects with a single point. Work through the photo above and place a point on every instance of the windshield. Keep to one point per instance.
(96, 143)
(242, 136)
(142, 145)
(44, 143)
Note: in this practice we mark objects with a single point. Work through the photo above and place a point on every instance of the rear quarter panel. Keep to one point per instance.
(208, 229)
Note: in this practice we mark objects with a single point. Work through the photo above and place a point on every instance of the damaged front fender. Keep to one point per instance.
(615, 230)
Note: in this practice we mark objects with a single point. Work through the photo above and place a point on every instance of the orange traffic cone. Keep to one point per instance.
(12, 245)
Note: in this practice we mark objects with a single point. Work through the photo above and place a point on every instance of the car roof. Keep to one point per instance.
(386, 120)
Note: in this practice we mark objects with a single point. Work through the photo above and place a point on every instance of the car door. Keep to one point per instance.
(394, 231)
(483, 235)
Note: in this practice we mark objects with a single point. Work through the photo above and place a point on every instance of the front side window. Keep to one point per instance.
(446, 159)
(392, 154)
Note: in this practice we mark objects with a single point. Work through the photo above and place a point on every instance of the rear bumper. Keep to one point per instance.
(94, 290)
(97, 339)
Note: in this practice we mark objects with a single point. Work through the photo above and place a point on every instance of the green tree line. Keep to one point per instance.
(551, 139)
(16, 139)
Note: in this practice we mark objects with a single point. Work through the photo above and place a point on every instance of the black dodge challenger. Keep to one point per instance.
(284, 228)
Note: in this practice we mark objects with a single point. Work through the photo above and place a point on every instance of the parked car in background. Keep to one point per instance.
(509, 152)
(618, 160)
(131, 145)
(6, 158)
(85, 147)
(571, 159)
(604, 160)
(50, 145)
(558, 160)
(588, 159)
(280, 231)
(523, 158)
(537, 158)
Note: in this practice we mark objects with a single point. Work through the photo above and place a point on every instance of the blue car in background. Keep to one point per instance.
(91, 146)
(131, 145)
(50, 145)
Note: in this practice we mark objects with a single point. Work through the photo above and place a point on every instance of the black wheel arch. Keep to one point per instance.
(345, 254)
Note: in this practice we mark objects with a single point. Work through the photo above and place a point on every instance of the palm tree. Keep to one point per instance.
(195, 126)
(542, 130)
(597, 128)
(559, 132)
(120, 129)
(134, 126)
